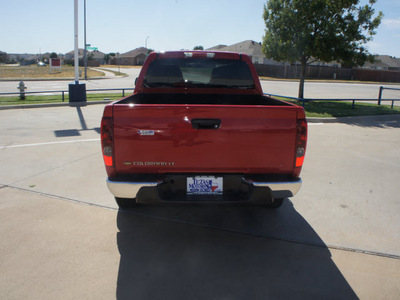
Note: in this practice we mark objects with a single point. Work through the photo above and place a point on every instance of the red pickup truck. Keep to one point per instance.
(198, 129)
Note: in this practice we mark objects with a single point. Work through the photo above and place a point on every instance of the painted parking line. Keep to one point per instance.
(49, 143)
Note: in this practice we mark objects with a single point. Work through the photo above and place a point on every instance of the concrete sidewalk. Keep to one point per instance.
(54, 248)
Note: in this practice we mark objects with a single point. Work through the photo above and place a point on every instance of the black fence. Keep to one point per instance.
(380, 94)
(324, 72)
(304, 101)
(379, 100)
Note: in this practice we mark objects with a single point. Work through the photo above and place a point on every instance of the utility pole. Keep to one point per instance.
(76, 53)
(76, 91)
(85, 51)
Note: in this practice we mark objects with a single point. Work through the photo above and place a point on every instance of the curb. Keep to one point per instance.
(350, 120)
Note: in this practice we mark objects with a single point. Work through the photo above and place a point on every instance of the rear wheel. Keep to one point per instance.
(126, 202)
(276, 203)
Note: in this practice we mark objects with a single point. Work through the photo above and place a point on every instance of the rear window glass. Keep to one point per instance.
(199, 73)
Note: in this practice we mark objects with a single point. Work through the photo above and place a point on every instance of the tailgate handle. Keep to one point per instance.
(206, 123)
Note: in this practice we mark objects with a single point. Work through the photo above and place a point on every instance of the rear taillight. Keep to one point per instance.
(107, 141)
(301, 142)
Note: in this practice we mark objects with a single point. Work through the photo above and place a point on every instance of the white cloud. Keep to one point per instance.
(391, 23)
(375, 47)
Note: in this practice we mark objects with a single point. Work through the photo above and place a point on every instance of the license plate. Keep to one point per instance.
(204, 185)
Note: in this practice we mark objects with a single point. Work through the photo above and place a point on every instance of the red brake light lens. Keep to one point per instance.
(301, 142)
(107, 141)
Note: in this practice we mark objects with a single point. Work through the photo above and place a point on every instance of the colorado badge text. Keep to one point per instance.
(150, 163)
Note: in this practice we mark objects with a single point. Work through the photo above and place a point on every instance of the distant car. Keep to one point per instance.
(41, 64)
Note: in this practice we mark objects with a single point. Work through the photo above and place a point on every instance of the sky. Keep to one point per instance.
(122, 25)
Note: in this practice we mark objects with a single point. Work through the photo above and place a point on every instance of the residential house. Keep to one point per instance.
(97, 56)
(384, 62)
(71, 55)
(252, 49)
(217, 48)
(135, 57)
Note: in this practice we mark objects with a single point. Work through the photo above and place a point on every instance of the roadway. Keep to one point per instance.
(313, 89)
(63, 236)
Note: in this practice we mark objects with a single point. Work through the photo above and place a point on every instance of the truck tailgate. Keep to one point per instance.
(204, 139)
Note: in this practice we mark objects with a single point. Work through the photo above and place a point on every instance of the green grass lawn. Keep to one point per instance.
(39, 99)
(329, 109)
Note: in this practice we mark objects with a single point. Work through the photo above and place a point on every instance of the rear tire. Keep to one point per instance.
(126, 203)
(276, 203)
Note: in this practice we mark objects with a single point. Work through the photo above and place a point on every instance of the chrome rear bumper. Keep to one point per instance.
(279, 189)
(124, 189)
(283, 189)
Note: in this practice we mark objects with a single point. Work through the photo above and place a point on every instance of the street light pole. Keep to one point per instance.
(76, 90)
(146, 42)
(76, 57)
(84, 51)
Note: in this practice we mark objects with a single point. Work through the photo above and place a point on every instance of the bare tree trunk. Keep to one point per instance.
(302, 77)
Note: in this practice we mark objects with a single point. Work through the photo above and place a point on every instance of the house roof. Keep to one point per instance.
(384, 61)
(248, 47)
(80, 52)
(97, 54)
(391, 61)
(135, 52)
(218, 47)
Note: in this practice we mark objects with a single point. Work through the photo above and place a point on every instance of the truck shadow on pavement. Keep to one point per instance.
(224, 252)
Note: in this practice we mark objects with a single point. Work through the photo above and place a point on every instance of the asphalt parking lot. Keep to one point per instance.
(63, 236)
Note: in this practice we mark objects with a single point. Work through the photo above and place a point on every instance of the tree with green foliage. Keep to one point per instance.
(308, 30)
(198, 48)
(53, 55)
(3, 57)
(107, 58)
(90, 56)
